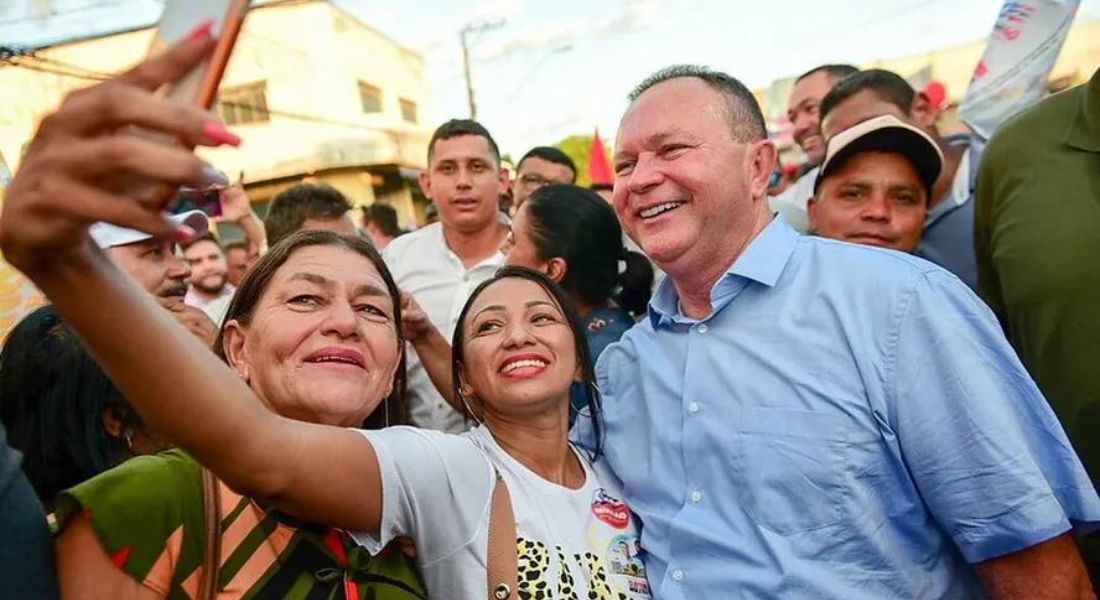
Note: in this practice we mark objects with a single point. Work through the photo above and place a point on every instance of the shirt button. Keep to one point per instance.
(693, 407)
(678, 575)
(702, 328)
(697, 496)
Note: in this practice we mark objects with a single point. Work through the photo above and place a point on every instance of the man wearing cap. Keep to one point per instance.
(874, 184)
(153, 263)
(948, 235)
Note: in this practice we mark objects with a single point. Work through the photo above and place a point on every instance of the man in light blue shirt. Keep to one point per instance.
(804, 418)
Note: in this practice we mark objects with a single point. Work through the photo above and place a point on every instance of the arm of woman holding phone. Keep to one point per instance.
(176, 384)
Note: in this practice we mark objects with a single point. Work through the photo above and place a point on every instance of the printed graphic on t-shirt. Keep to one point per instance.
(617, 573)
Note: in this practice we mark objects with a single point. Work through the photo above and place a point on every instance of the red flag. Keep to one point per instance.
(599, 168)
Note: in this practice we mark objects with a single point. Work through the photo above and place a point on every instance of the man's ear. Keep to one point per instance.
(763, 158)
(425, 184)
(234, 347)
(812, 211)
(923, 112)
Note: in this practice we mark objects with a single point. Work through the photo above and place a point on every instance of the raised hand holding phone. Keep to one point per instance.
(220, 19)
(58, 192)
(223, 18)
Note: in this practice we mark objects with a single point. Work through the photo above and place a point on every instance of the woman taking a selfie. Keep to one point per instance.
(161, 526)
(320, 340)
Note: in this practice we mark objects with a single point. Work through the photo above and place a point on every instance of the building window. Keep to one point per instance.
(370, 97)
(244, 104)
(408, 110)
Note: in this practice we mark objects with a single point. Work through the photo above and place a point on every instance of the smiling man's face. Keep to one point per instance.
(154, 265)
(802, 112)
(875, 199)
(683, 184)
(465, 181)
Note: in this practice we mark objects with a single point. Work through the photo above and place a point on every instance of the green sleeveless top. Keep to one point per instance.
(148, 515)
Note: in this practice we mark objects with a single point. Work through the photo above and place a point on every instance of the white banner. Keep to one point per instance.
(1013, 71)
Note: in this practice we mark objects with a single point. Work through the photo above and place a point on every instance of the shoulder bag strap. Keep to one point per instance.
(502, 560)
(211, 516)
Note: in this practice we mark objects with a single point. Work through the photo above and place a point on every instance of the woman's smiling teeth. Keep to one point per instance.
(339, 359)
(530, 363)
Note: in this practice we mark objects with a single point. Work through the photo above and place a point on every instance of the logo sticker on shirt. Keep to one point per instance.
(596, 324)
(610, 510)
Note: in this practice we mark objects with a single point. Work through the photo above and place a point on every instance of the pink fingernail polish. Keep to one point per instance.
(201, 32)
(183, 233)
(216, 132)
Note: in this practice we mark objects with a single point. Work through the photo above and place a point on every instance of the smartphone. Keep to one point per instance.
(200, 86)
(180, 17)
(208, 201)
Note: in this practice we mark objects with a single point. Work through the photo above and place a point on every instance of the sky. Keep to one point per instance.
(553, 68)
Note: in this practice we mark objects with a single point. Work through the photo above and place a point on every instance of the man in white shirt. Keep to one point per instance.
(802, 111)
(209, 289)
(439, 265)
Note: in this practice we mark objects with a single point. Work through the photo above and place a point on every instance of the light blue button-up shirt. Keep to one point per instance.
(848, 423)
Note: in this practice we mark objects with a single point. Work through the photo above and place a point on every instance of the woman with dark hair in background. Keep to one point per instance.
(61, 410)
(573, 236)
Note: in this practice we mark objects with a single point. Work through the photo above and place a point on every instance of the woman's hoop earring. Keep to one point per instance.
(469, 410)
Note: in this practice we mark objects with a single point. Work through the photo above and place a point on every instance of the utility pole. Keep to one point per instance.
(464, 37)
(43, 9)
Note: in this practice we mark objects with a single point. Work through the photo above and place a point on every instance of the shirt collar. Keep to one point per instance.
(762, 261)
(494, 260)
(1084, 131)
(958, 195)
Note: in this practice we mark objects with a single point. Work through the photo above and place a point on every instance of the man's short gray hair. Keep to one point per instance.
(742, 109)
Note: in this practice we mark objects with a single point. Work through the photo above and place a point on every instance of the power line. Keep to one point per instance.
(91, 76)
(15, 62)
(58, 63)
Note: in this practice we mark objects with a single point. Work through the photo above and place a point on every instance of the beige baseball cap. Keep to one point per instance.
(885, 133)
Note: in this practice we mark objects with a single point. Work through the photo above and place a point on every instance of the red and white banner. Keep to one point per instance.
(1013, 71)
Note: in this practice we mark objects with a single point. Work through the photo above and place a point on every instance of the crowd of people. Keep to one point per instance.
(877, 384)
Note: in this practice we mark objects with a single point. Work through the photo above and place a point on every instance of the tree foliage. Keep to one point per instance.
(577, 147)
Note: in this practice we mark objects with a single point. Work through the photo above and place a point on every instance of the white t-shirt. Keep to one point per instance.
(437, 490)
(423, 265)
(791, 204)
(216, 308)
